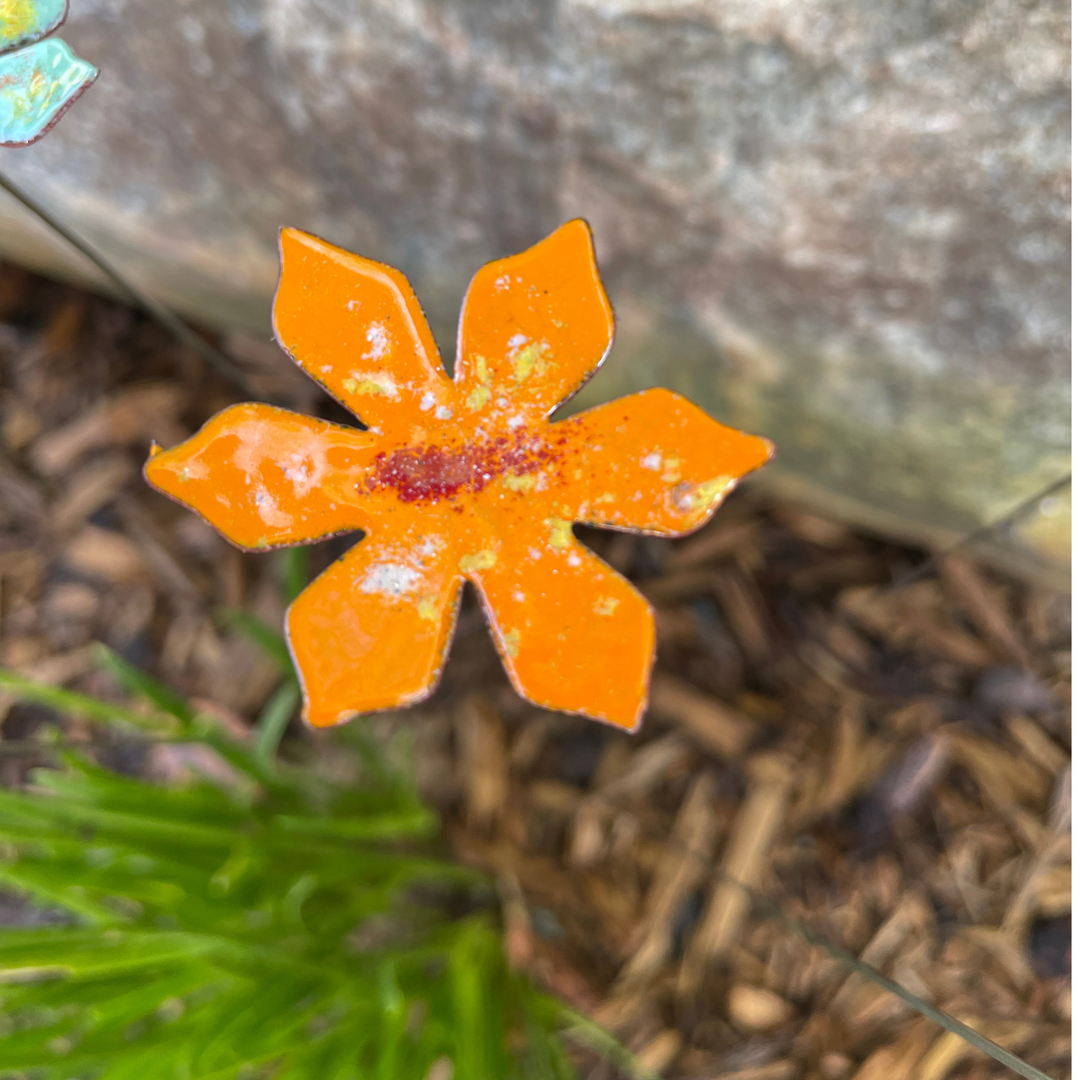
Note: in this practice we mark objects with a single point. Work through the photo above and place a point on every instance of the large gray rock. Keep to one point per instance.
(842, 224)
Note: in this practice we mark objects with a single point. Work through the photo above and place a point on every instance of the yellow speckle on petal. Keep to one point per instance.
(512, 642)
(262, 542)
(371, 386)
(480, 363)
(607, 497)
(606, 605)
(528, 359)
(20, 17)
(672, 475)
(520, 483)
(562, 535)
(479, 397)
(428, 608)
(482, 560)
(557, 323)
(695, 500)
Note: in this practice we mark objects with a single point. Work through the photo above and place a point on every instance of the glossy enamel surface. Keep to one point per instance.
(24, 21)
(459, 479)
(37, 86)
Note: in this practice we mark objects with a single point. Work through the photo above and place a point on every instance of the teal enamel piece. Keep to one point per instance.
(24, 21)
(37, 85)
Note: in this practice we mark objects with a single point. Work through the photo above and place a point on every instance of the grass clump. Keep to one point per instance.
(282, 926)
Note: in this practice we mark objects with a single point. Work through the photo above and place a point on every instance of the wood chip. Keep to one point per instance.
(1004, 778)
(1036, 744)
(745, 860)
(644, 770)
(61, 669)
(155, 547)
(681, 869)
(137, 413)
(914, 618)
(900, 1060)
(484, 774)
(775, 1070)
(753, 1008)
(88, 490)
(742, 604)
(949, 1049)
(718, 541)
(660, 1051)
(102, 553)
(715, 727)
(985, 607)
(910, 913)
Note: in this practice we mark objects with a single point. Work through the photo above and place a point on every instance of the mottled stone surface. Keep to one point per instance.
(842, 224)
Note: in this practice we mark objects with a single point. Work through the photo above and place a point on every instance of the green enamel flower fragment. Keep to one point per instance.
(39, 81)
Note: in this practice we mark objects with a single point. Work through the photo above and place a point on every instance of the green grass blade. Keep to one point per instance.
(295, 571)
(71, 703)
(271, 641)
(273, 720)
(413, 823)
(139, 683)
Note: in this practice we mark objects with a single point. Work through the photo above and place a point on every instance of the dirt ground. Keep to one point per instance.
(887, 764)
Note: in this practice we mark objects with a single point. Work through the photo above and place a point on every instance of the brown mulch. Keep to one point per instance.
(889, 765)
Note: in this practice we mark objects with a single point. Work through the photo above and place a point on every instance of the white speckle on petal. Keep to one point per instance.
(269, 510)
(574, 560)
(515, 421)
(518, 595)
(391, 579)
(427, 401)
(378, 340)
(444, 412)
(430, 545)
(652, 462)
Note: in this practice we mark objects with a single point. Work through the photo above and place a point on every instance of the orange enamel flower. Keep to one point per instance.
(458, 479)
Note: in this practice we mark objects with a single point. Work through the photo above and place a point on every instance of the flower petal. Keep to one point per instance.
(534, 327)
(652, 462)
(372, 631)
(265, 476)
(574, 635)
(38, 85)
(356, 327)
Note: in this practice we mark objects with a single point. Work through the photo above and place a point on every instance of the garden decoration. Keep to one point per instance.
(462, 478)
(39, 79)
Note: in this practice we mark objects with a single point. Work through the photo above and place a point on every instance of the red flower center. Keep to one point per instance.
(438, 472)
